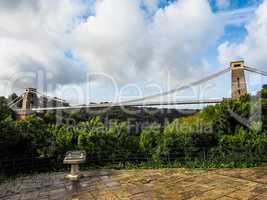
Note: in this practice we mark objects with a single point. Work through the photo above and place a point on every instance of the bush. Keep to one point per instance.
(105, 144)
(150, 139)
(63, 139)
(243, 147)
(186, 138)
(213, 137)
(34, 136)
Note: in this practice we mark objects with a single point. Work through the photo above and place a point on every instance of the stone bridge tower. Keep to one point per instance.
(239, 87)
(29, 101)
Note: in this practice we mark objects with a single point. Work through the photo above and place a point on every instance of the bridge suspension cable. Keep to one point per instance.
(48, 97)
(16, 100)
(254, 70)
(138, 102)
(186, 86)
(105, 105)
(15, 103)
(141, 101)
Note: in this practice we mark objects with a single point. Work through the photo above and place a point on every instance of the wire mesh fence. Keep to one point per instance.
(191, 157)
(26, 165)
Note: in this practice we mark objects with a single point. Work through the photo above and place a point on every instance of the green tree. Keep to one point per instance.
(63, 139)
(150, 138)
(5, 111)
(92, 138)
(186, 138)
(34, 134)
(125, 141)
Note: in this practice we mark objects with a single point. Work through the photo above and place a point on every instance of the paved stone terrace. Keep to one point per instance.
(221, 184)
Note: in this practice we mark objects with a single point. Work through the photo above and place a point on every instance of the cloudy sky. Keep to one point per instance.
(92, 50)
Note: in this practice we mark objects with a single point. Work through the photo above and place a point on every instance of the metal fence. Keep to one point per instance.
(24, 165)
(99, 159)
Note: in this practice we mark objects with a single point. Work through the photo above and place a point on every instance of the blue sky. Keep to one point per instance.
(232, 33)
(234, 4)
(164, 43)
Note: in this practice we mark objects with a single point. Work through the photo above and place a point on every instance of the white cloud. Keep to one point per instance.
(254, 47)
(33, 36)
(237, 17)
(114, 41)
(222, 4)
(120, 41)
(150, 5)
(178, 35)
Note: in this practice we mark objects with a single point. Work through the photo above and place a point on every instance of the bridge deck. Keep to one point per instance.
(105, 105)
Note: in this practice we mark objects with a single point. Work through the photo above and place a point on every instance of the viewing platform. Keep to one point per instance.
(219, 184)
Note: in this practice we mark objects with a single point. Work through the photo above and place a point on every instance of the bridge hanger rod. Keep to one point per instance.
(192, 102)
(137, 102)
(15, 103)
(254, 70)
(48, 97)
(212, 76)
(14, 100)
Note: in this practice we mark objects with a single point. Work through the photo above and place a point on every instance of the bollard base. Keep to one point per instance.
(75, 186)
(76, 177)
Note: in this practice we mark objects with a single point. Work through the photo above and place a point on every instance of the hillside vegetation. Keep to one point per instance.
(229, 134)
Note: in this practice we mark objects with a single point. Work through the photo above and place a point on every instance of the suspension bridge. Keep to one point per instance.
(30, 103)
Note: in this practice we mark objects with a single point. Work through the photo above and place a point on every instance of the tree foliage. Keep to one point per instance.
(232, 132)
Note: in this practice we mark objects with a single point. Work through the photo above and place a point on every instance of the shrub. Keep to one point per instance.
(150, 138)
(34, 136)
(186, 138)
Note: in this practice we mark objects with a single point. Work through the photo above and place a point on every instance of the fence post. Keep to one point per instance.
(204, 154)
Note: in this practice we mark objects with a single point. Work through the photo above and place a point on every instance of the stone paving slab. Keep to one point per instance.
(221, 184)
